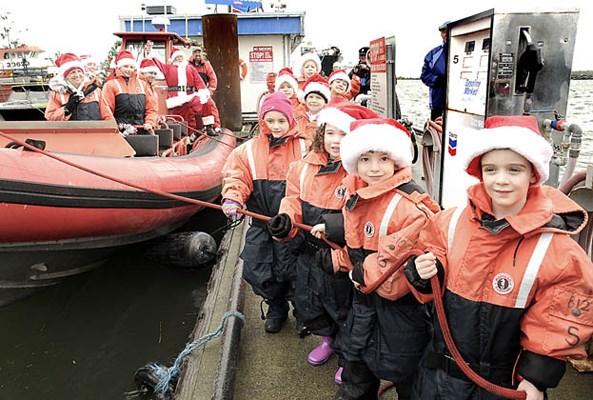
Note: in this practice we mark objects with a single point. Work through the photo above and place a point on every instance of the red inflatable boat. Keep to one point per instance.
(62, 216)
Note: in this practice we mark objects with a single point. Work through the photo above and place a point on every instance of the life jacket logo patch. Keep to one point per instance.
(340, 192)
(369, 229)
(503, 283)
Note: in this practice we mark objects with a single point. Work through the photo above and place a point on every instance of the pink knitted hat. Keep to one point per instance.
(277, 101)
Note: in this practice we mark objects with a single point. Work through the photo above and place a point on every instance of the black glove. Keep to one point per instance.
(279, 226)
(323, 258)
(72, 102)
(358, 273)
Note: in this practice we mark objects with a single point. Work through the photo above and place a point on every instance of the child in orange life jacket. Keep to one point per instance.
(255, 176)
(387, 330)
(340, 85)
(287, 84)
(316, 96)
(304, 67)
(323, 293)
(517, 289)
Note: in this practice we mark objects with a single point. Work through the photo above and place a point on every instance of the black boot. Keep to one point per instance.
(274, 325)
(276, 316)
(301, 329)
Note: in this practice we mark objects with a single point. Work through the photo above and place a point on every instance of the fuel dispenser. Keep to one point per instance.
(501, 63)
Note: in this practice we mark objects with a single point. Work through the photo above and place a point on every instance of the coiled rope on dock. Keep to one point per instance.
(160, 381)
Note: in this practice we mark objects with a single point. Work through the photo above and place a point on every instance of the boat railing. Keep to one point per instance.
(26, 75)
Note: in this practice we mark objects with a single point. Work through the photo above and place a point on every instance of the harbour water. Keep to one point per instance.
(84, 338)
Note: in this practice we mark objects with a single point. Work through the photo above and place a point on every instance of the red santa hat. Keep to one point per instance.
(317, 84)
(341, 114)
(519, 133)
(277, 101)
(307, 57)
(68, 62)
(379, 135)
(124, 58)
(340, 74)
(147, 65)
(175, 52)
(285, 75)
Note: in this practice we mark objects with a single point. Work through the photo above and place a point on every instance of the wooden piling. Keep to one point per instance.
(222, 47)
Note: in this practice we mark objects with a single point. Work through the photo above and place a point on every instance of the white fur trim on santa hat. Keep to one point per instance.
(335, 117)
(315, 87)
(308, 57)
(152, 68)
(125, 61)
(67, 67)
(379, 138)
(177, 53)
(521, 140)
(286, 78)
(340, 75)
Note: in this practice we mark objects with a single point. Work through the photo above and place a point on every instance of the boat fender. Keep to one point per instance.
(243, 66)
(183, 249)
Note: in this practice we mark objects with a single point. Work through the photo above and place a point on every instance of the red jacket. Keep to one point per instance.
(116, 93)
(505, 300)
(307, 127)
(59, 96)
(305, 187)
(256, 171)
(206, 73)
(385, 221)
(184, 84)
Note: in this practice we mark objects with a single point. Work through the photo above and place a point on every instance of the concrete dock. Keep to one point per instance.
(245, 363)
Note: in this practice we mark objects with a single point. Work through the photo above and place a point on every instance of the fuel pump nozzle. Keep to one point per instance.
(529, 64)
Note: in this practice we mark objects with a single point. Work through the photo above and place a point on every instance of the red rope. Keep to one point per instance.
(470, 373)
(146, 189)
(436, 287)
(438, 300)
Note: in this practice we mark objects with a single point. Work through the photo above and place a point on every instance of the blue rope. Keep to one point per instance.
(167, 374)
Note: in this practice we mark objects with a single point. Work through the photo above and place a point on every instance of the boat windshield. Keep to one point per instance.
(136, 47)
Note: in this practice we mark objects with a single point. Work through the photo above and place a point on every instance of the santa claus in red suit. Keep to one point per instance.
(187, 95)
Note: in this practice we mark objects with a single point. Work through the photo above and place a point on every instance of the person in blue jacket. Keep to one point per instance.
(434, 75)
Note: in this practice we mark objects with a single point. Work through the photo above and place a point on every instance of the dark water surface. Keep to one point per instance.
(84, 338)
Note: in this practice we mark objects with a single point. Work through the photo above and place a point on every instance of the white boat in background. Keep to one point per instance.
(24, 75)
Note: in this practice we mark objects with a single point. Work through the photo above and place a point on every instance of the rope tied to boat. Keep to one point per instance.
(160, 381)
